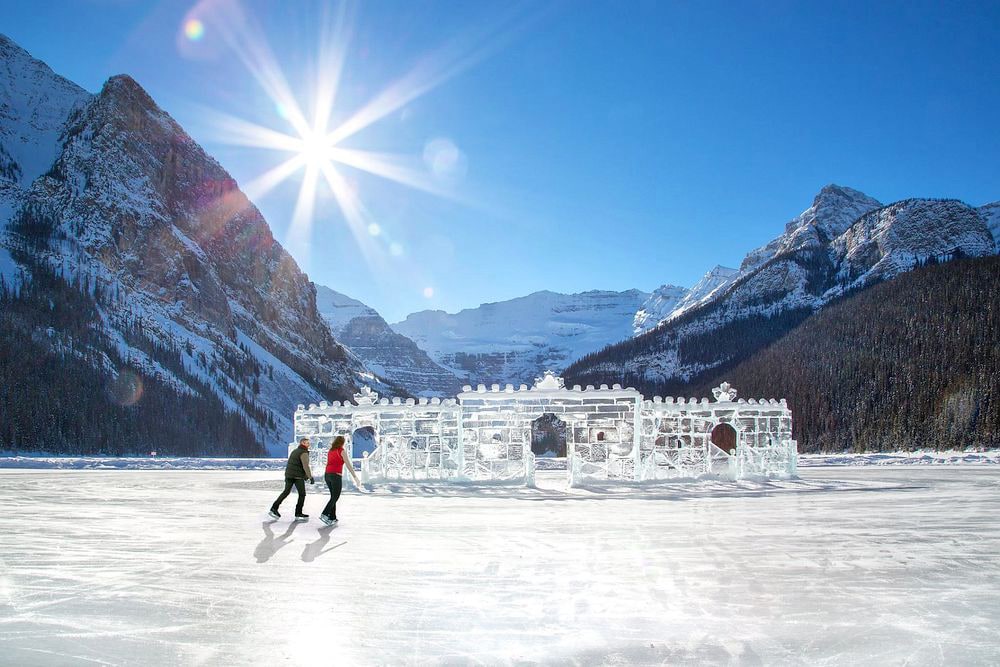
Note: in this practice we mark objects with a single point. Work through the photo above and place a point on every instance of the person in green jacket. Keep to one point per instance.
(296, 473)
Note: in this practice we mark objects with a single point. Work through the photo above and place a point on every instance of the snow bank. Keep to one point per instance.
(545, 464)
(138, 463)
(920, 457)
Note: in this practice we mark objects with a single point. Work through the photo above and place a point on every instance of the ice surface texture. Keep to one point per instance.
(846, 566)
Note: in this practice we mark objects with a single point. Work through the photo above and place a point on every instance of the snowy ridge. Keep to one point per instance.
(515, 341)
(834, 209)
(339, 309)
(391, 355)
(658, 307)
(34, 105)
(823, 253)
(709, 288)
(889, 240)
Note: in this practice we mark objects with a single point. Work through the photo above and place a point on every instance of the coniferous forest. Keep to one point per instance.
(54, 399)
(906, 364)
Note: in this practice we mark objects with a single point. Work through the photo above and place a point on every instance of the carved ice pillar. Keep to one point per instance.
(636, 439)
(460, 454)
(529, 466)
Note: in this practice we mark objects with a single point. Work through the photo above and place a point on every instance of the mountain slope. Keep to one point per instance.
(187, 286)
(909, 363)
(779, 285)
(834, 209)
(990, 213)
(705, 290)
(34, 105)
(391, 355)
(339, 309)
(658, 307)
(517, 340)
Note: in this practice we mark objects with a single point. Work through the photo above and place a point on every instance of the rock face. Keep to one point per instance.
(132, 207)
(843, 242)
(516, 341)
(834, 209)
(990, 213)
(391, 355)
(658, 307)
(708, 288)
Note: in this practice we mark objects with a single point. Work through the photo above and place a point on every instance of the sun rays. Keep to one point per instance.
(312, 148)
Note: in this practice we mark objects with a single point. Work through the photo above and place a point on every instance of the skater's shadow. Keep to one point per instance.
(316, 549)
(271, 544)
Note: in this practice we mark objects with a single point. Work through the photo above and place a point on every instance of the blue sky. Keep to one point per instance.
(589, 145)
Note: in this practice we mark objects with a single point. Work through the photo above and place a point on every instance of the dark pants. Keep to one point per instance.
(300, 486)
(335, 483)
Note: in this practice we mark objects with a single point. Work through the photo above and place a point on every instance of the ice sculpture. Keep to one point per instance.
(611, 434)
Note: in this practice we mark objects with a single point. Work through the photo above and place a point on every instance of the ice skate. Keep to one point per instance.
(301, 517)
(273, 513)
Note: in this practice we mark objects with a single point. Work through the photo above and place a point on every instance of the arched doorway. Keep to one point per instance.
(548, 436)
(724, 437)
(362, 442)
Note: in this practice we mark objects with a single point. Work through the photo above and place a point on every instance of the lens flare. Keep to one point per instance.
(428, 292)
(126, 388)
(194, 29)
(443, 158)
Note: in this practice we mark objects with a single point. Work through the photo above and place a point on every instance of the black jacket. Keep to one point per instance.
(298, 464)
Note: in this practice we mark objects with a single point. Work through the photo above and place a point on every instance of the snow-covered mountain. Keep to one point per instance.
(844, 241)
(517, 340)
(658, 307)
(834, 209)
(339, 309)
(391, 355)
(708, 288)
(107, 195)
(34, 105)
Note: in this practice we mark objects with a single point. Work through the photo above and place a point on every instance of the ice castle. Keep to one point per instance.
(612, 434)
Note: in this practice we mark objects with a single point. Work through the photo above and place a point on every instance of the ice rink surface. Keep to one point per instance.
(846, 566)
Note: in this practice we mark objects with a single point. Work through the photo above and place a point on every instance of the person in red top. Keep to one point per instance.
(336, 459)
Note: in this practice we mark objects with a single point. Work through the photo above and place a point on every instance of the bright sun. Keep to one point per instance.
(315, 150)
(312, 146)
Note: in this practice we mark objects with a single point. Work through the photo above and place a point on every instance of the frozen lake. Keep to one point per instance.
(847, 566)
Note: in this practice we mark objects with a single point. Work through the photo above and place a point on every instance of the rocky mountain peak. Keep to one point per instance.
(657, 307)
(833, 211)
(34, 105)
